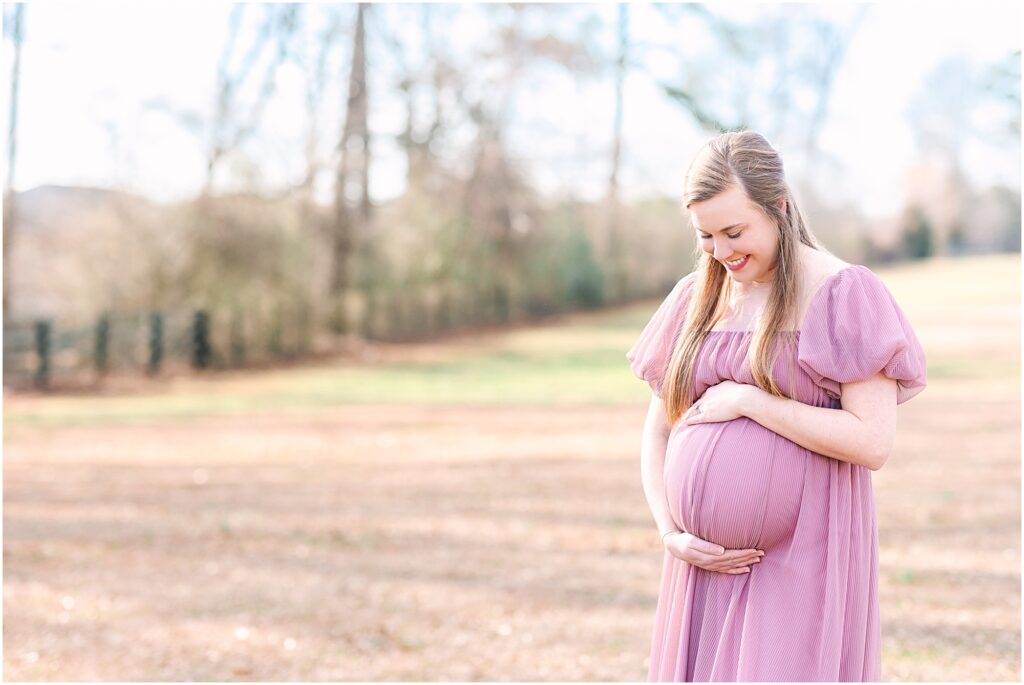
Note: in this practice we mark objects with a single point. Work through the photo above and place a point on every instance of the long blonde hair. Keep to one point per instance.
(746, 159)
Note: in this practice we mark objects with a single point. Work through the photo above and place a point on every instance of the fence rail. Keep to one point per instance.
(42, 354)
(48, 354)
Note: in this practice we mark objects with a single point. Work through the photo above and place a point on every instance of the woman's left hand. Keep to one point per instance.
(722, 402)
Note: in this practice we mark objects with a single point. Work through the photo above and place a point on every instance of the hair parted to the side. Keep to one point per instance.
(746, 159)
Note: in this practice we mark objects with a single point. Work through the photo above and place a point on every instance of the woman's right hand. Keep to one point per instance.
(710, 556)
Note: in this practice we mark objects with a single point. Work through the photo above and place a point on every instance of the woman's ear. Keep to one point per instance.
(782, 205)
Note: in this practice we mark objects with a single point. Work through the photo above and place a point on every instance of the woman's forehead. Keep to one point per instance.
(722, 211)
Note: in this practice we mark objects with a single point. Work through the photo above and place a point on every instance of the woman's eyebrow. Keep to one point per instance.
(727, 228)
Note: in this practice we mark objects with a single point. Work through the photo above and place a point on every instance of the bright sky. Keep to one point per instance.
(88, 69)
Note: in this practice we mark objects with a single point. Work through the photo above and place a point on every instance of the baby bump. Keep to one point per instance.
(734, 483)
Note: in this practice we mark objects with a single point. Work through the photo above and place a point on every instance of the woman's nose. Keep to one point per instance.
(721, 251)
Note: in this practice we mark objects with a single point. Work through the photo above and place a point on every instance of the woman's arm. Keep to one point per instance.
(652, 464)
(862, 432)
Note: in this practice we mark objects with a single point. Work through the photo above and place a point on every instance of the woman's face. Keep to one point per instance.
(738, 234)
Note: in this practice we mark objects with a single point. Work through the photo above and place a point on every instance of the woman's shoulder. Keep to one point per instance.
(819, 272)
(827, 273)
(820, 266)
(854, 329)
(838, 288)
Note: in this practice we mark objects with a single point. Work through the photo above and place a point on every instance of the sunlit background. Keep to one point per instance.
(315, 319)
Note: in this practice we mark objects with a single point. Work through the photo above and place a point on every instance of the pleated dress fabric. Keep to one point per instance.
(809, 610)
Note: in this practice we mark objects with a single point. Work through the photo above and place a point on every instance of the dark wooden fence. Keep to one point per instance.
(51, 354)
(43, 354)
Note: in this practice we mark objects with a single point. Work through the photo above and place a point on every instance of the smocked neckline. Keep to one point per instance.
(740, 331)
(810, 306)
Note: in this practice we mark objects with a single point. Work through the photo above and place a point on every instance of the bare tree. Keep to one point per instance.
(948, 113)
(820, 73)
(229, 129)
(352, 195)
(9, 214)
(774, 44)
(234, 121)
(614, 257)
(495, 197)
(412, 71)
(316, 85)
(1000, 82)
(691, 94)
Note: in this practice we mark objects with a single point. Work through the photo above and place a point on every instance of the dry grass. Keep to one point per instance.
(398, 543)
(468, 540)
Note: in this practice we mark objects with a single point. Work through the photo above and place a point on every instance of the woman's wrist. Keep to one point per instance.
(749, 400)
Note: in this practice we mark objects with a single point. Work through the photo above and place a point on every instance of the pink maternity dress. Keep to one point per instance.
(809, 610)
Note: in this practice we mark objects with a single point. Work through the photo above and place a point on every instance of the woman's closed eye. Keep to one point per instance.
(706, 237)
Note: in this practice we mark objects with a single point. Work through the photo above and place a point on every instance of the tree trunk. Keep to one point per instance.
(352, 183)
(614, 259)
(9, 216)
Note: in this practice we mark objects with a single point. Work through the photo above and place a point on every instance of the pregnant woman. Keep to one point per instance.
(776, 369)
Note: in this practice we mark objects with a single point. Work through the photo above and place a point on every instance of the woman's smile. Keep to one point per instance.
(737, 264)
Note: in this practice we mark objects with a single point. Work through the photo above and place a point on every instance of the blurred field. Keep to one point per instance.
(466, 510)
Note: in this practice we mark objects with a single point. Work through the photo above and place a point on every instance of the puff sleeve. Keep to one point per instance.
(650, 355)
(853, 328)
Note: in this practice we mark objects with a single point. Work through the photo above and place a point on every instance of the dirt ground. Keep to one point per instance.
(360, 544)
(415, 543)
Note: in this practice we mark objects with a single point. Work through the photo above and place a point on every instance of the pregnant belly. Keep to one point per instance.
(734, 483)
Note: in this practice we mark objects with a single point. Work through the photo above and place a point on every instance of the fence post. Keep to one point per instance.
(201, 340)
(156, 342)
(102, 343)
(42, 377)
